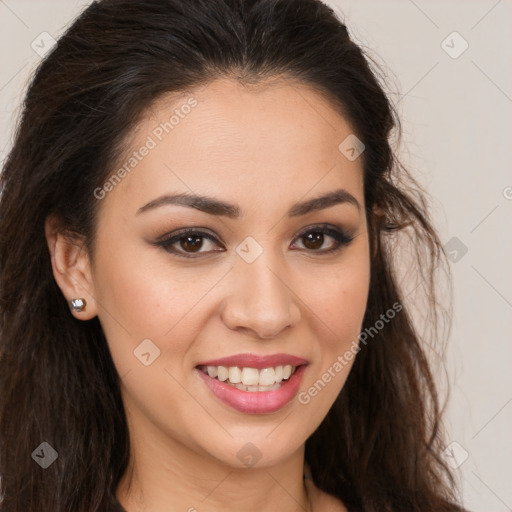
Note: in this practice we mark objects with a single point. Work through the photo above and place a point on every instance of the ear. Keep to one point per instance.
(71, 267)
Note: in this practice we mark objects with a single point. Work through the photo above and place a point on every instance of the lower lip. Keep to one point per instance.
(255, 402)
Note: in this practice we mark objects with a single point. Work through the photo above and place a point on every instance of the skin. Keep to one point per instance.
(264, 149)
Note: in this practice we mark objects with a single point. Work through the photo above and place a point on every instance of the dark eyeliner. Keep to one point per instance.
(341, 237)
(166, 241)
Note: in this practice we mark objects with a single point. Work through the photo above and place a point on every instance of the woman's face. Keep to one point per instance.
(271, 275)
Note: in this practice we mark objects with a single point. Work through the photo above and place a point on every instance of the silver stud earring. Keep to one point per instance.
(77, 304)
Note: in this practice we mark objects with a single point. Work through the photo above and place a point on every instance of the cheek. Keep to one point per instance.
(338, 300)
(336, 322)
(143, 297)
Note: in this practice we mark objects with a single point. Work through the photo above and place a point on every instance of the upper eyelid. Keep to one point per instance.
(186, 231)
(325, 226)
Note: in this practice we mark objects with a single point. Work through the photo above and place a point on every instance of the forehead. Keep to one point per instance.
(226, 139)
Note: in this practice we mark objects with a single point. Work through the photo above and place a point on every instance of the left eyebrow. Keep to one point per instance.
(214, 206)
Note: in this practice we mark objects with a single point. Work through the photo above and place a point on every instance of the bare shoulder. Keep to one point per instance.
(321, 501)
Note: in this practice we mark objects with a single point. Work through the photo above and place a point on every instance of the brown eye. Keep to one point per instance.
(313, 240)
(191, 243)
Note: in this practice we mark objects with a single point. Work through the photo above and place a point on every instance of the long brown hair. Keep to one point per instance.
(379, 447)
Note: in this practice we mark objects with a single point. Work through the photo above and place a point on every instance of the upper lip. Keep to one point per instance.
(256, 361)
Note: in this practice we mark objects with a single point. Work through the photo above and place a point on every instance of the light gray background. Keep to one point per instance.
(456, 115)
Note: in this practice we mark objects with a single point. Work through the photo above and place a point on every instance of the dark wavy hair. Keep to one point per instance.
(379, 447)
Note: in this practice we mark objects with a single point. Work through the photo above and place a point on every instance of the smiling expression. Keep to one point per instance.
(240, 234)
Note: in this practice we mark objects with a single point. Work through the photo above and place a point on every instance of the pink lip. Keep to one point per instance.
(258, 402)
(255, 361)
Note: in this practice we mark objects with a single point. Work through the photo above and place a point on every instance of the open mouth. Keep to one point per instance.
(251, 379)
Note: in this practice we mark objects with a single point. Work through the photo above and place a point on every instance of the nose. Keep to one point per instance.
(261, 300)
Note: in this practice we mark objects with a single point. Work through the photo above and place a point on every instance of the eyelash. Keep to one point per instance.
(341, 238)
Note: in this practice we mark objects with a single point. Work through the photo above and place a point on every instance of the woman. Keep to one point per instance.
(201, 217)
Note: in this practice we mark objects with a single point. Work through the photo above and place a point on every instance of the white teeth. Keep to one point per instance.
(250, 376)
(222, 373)
(251, 379)
(235, 374)
(267, 377)
(252, 389)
